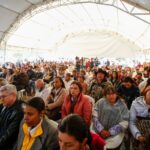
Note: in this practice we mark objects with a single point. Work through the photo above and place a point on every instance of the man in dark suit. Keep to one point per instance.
(10, 116)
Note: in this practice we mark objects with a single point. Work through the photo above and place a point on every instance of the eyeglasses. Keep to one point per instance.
(4, 96)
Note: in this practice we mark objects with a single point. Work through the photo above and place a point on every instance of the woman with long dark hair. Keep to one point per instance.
(77, 102)
(75, 135)
(55, 99)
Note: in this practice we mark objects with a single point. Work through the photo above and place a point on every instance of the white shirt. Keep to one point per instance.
(33, 130)
(44, 93)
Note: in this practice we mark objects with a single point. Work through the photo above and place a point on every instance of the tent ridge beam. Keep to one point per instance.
(29, 2)
(124, 6)
(141, 13)
(132, 15)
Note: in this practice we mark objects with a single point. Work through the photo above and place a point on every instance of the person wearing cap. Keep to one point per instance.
(96, 87)
(36, 131)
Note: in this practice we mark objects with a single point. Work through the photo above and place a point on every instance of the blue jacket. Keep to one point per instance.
(138, 108)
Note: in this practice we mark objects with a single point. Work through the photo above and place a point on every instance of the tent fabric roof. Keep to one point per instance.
(15, 14)
(11, 10)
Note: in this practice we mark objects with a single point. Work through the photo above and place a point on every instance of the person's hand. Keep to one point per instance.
(105, 134)
(141, 138)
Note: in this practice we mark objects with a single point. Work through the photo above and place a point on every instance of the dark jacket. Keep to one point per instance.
(128, 94)
(21, 81)
(9, 125)
(96, 89)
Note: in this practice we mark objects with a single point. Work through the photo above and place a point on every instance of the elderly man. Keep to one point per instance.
(10, 116)
(41, 90)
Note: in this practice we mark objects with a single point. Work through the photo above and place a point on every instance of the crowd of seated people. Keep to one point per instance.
(109, 103)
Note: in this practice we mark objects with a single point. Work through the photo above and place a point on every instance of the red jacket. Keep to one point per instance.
(83, 107)
(97, 142)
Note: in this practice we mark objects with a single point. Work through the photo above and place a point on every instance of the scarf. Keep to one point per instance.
(29, 137)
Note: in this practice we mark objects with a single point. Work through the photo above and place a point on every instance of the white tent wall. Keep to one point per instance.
(86, 44)
(14, 54)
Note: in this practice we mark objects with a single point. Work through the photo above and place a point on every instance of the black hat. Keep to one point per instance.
(102, 71)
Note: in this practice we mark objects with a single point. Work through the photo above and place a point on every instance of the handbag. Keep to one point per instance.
(143, 124)
(54, 114)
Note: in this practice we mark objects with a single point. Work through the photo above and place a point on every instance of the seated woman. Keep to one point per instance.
(140, 120)
(83, 83)
(75, 135)
(128, 90)
(77, 102)
(36, 131)
(110, 118)
(114, 79)
(55, 99)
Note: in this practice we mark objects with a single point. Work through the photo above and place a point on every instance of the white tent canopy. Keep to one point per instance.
(108, 28)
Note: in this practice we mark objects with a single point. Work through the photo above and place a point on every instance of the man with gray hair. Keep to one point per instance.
(41, 90)
(10, 116)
